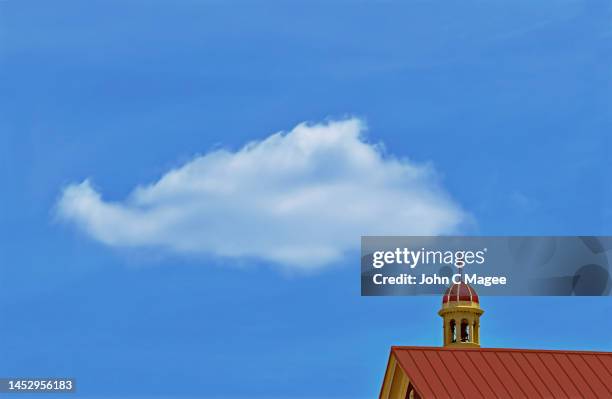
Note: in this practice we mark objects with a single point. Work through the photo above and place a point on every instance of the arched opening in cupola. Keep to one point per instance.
(465, 331)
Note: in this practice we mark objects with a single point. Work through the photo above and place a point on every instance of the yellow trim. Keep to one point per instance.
(395, 383)
(399, 384)
(386, 388)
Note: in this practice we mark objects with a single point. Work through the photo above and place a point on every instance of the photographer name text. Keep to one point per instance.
(434, 279)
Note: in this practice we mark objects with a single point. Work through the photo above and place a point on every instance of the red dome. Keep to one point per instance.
(460, 292)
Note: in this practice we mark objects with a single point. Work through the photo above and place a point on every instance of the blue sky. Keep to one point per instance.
(509, 102)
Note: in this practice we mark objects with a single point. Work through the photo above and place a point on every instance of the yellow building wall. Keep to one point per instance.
(395, 383)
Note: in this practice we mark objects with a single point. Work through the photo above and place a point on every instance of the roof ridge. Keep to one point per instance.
(440, 348)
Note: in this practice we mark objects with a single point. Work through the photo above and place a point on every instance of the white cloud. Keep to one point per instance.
(300, 199)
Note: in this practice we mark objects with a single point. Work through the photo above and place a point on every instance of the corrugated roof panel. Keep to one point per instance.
(515, 369)
(596, 383)
(493, 381)
(463, 381)
(599, 368)
(487, 372)
(510, 383)
(476, 375)
(568, 385)
(449, 384)
(552, 386)
(607, 362)
(438, 388)
(531, 374)
(573, 373)
(419, 381)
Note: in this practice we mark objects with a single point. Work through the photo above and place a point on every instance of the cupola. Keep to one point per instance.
(461, 315)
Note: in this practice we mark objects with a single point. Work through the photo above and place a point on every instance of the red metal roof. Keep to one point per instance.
(506, 373)
(460, 292)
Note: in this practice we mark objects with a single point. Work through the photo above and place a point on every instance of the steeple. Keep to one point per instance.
(461, 315)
